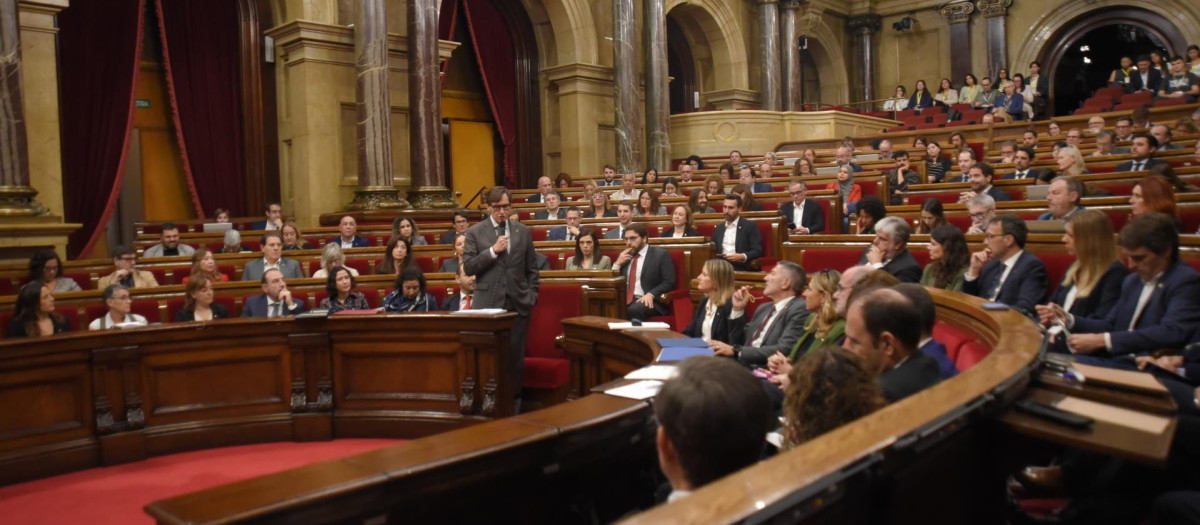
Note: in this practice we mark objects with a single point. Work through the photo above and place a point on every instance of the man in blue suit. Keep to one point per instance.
(737, 240)
(349, 238)
(274, 220)
(1159, 305)
(1013, 276)
(275, 301)
(747, 176)
(571, 230)
(929, 346)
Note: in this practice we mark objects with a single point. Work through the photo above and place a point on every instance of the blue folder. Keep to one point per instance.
(678, 349)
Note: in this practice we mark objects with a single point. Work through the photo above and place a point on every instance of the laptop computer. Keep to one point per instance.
(1036, 192)
(217, 227)
(827, 170)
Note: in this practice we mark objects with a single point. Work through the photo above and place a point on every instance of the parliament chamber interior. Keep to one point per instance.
(573, 261)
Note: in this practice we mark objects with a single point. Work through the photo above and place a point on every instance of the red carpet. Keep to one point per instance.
(116, 495)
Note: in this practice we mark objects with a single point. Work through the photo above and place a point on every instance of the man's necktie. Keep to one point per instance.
(1021, 174)
(467, 303)
(632, 279)
(275, 310)
(993, 286)
(762, 326)
(500, 230)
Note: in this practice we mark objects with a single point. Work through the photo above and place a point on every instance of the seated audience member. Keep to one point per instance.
(461, 223)
(766, 170)
(624, 221)
(331, 257)
(1180, 83)
(169, 245)
(966, 160)
(710, 321)
(450, 264)
(1029, 138)
(1011, 102)
(921, 98)
(851, 193)
(933, 215)
(1092, 284)
(1095, 124)
(272, 250)
(948, 259)
(1074, 137)
(870, 211)
(348, 234)
(275, 301)
(273, 220)
(205, 264)
(117, 298)
(946, 94)
(1186, 126)
(293, 239)
(1146, 78)
(563, 181)
(987, 96)
(686, 172)
(1070, 162)
(843, 158)
(889, 251)
(1062, 198)
(735, 158)
(1159, 306)
(883, 328)
(803, 168)
(958, 141)
(232, 243)
(1124, 129)
(1008, 152)
(713, 418)
(466, 290)
(801, 215)
(45, 267)
(899, 102)
(1176, 184)
(923, 302)
(737, 240)
(829, 387)
(1123, 75)
(407, 229)
(748, 178)
(748, 202)
(846, 283)
(901, 177)
(715, 184)
(648, 273)
(627, 192)
(545, 187)
(670, 188)
(409, 294)
(1153, 193)
(698, 202)
(339, 285)
(682, 224)
(775, 327)
(1004, 272)
(600, 207)
(1142, 151)
(34, 315)
(587, 256)
(610, 177)
(220, 215)
(585, 199)
(553, 210)
(570, 230)
(1022, 160)
(980, 177)
(824, 327)
(936, 166)
(884, 147)
(648, 206)
(198, 302)
(396, 257)
(126, 273)
(981, 210)
(694, 161)
(1104, 143)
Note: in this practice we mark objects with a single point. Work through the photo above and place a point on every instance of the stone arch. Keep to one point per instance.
(826, 50)
(572, 38)
(712, 32)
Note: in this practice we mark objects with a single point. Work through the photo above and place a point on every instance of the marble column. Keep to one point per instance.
(425, 109)
(958, 14)
(625, 90)
(16, 196)
(658, 95)
(790, 40)
(863, 27)
(374, 129)
(768, 53)
(995, 12)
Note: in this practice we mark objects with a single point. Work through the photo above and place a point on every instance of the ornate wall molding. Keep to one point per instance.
(864, 23)
(993, 8)
(960, 12)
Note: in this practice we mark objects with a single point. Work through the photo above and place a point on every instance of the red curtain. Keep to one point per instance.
(489, 34)
(447, 16)
(99, 44)
(201, 52)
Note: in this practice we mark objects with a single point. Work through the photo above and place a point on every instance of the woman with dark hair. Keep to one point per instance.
(970, 88)
(587, 256)
(670, 188)
(724, 173)
(407, 229)
(1158, 61)
(898, 102)
(650, 177)
(936, 165)
(1193, 59)
(221, 215)
(921, 98)
(946, 94)
(933, 215)
(803, 168)
(828, 387)
(710, 321)
(648, 206)
(748, 203)
(409, 294)
(45, 267)
(949, 259)
(920, 142)
(34, 314)
(204, 263)
(563, 181)
(1167, 172)
(681, 223)
(396, 257)
(339, 286)
(695, 161)
(1092, 284)
(198, 302)
(1001, 76)
(698, 202)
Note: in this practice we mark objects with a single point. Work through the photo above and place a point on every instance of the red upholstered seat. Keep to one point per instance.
(8, 287)
(681, 301)
(83, 279)
(425, 263)
(539, 234)
(1056, 268)
(1189, 216)
(546, 366)
(921, 255)
(5, 320)
(961, 222)
(837, 258)
(160, 275)
(972, 352)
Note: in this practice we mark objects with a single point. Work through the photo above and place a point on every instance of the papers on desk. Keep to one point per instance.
(644, 326)
(1124, 379)
(1115, 415)
(639, 390)
(481, 311)
(653, 372)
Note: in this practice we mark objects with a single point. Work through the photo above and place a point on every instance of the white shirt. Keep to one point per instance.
(729, 241)
(272, 226)
(271, 307)
(268, 266)
(798, 213)
(1143, 298)
(620, 195)
(1008, 266)
(462, 301)
(710, 315)
(347, 244)
(108, 323)
(638, 291)
(1069, 300)
(780, 305)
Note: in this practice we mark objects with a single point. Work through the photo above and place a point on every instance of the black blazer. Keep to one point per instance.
(721, 330)
(1150, 163)
(218, 312)
(1031, 173)
(657, 277)
(543, 215)
(747, 241)
(689, 231)
(904, 266)
(812, 218)
(998, 194)
(1024, 288)
(1153, 76)
(256, 306)
(537, 197)
(1103, 297)
(357, 242)
(607, 213)
(915, 374)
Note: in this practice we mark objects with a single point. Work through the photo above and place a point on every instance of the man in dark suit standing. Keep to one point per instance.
(1146, 78)
(275, 301)
(1012, 276)
(569, 232)
(737, 240)
(1142, 150)
(648, 273)
(461, 223)
(889, 251)
(462, 299)
(1022, 159)
(804, 216)
(499, 253)
(884, 328)
(349, 238)
(980, 177)
(274, 220)
(553, 210)
(775, 327)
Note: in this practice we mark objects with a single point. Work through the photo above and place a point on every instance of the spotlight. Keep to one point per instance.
(904, 24)
(1087, 60)
(1085, 49)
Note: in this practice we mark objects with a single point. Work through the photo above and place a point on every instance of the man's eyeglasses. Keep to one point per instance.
(977, 216)
(128, 258)
(504, 206)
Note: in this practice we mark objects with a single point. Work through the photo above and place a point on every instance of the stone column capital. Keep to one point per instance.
(791, 4)
(865, 24)
(767, 2)
(959, 12)
(993, 8)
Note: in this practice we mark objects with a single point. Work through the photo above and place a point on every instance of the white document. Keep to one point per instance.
(481, 311)
(644, 326)
(639, 390)
(653, 372)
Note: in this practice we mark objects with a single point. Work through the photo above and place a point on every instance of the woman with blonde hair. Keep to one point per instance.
(332, 256)
(710, 321)
(292, 238)
(1070, 162)
(682, 223)
(824, 326)
(1092, 284)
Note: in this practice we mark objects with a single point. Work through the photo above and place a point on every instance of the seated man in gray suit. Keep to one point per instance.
(273, 259)
(652, 274)
(275, 301)
(624, 217)
(776, 326)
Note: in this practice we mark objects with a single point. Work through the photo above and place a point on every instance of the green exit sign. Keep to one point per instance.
(142, 103)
